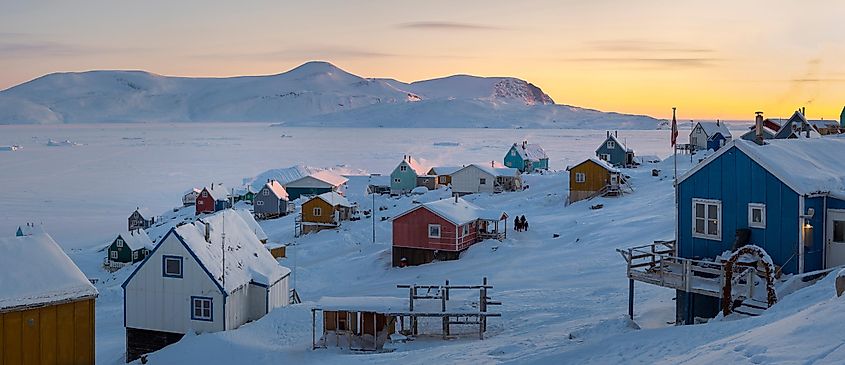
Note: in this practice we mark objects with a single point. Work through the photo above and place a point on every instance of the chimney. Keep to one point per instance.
(207, 232)
(758, 128)
(616, 134)
(608, 133)
(492, 163)
(524, 143)
(717, 122)
(456, 198)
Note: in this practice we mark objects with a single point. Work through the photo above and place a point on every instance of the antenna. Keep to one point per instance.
(223, 244)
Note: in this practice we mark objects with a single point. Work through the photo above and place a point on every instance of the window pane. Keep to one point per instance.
(699, 211)
(839, 231)
(712, 211)
(757, 215)
(173, 267)
(699, 226)
(712, 227)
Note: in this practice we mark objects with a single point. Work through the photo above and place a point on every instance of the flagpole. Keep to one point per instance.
(674, 145)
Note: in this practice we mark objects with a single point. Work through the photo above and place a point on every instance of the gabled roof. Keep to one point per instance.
(495, 171)
(247, 260)
(250, 221)
(30, 229)
(797, 122)
(192, 191)
(807, 166)
(334, 199)
(324, 176)
(458, 212)
(711, 128)
(218, 192)
(616, 140)
(137, 240)
(602, 163)
(443, 170)
(283, 175)
(415, 166)
(277, 189)
(530, 151)
(36, 271)
(144, 212)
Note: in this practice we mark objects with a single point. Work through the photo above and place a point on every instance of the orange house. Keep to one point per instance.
(591, 178)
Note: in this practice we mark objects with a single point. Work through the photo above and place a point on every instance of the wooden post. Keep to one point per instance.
(313, 329)
(414, 327)
(631, 298)
(445, 318)
(483, 307)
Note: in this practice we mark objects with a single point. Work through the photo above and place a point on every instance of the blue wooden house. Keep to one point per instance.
(405, 176)
(615, 152)
(315, 184)
(527, 157)
(709, 135)
(787, 197)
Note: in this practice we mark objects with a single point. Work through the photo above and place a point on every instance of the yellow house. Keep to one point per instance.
(324, 211)
(591, 178)
(46, 304)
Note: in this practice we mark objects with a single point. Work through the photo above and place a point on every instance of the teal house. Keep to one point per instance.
(842, 118)
(527, 157)
(403, 179)
(129, 248)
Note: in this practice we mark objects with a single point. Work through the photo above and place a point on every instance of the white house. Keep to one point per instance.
(190, 196)
(187, 283)
(477, 178)
(709, 135)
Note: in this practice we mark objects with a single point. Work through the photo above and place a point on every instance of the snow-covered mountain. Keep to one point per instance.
(313, 94)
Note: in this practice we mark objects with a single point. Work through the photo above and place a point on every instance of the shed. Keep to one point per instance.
(46, 304)
(480, 178)
(592, 177)
(615, 152)
(316, 183)
(272, 201)
(441, 230)
(404, 177)
(189, 282)
(324, 211)
(359, 323)
(526, 157)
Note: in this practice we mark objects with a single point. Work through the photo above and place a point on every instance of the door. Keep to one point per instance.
(614, 181)
(835, 238)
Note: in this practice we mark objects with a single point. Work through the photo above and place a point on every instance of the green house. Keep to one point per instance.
(129, 248)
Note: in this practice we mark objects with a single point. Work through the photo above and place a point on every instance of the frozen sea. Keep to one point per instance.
(84, 193)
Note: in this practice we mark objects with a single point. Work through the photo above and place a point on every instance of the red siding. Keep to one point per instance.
(205, 204)
(411, 230)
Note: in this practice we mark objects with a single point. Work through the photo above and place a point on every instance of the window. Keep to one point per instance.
(119, 243)
(113, 255)
(580, 177)
(266, 192)
(403, 168)
(259, 203)
(171, 266)
(433, 231)
(757, 215)
(482, 181)
(707, 219)
(466, 230)
(397, 180)
(604, 157)
(201, 309)
(205, 194)
(135, 255)
(692, 141)
(318, 211)
(611, 144)
(513, 153)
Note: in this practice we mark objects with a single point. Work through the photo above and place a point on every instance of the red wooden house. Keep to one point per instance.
(441, 230)
(212, 199)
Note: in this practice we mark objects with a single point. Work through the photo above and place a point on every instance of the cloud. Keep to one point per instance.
(450, 26)
(662, 62)
(640, 45)
(40, 48)
(308, 52)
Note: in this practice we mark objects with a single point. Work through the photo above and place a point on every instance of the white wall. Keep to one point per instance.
(467, 180)
(158, 303)
(280, 294)
(700, 137)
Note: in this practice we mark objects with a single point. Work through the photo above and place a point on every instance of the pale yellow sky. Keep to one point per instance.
(712, 59)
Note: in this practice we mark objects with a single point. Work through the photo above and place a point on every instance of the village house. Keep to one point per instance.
(46, 304)
(128, 248)
(141, 218)
(272, 201)
(527, 157)
(441, 230)
(797, 126)
(592, 178)
(190, 197)
(314, 184)
(404, 177)
(478, 178)
(324, 211)
(709, 136)
(29, 229)
(190, 282)
(615, 152)
(782, 202)
(244, 194)
(359, 323)
(443, 175)
(212, 199)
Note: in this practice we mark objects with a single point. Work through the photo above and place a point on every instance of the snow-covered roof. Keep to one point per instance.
(145, 212)
(334, 199)
(370, 304)
(621, 145)
(30, 229)
(805, 165)
(247, 260)
(443, 170)
(497, 171)
(415, 165)
(277, 189)
(457, 211)
(647, 158)
(192, 191)
(530, 151)
(282, 175)
(137, 240)
(325, 176)
(36, 271)
(711, 128)
(250, 221)
(218, 192)
(797, 122)
(602, 163)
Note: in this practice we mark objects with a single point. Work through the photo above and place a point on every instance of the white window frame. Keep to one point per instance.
(266, 192)
(465, 231)
(259, 203)
(134, 255)
(205, 194)
(317, 212)
(439, 231)
(397, 180)
(580, 177)
(205, 304)
(119, 243)
(762, 208)
(611, 145)
(604, 156)
(707, 203)
(113, 255)
(513, 153)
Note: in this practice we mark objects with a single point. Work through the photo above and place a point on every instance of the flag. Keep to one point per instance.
(674, 128)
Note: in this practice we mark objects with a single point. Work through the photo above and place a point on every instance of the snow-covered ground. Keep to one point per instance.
(564, 299)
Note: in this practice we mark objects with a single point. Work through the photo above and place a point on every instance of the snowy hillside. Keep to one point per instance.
(313, 94)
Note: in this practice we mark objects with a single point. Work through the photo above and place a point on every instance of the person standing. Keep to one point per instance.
(523, 223)
(516, 225)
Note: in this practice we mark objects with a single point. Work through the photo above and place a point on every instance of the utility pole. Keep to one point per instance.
(373, 213)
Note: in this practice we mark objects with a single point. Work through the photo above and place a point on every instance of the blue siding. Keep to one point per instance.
(512, 159)
(716, 142)
(617, 154)
(736, 180)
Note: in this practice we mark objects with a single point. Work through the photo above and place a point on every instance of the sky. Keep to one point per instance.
(715, 59)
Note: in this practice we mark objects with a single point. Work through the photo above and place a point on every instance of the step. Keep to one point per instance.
(749, 311)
